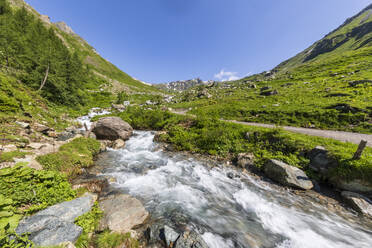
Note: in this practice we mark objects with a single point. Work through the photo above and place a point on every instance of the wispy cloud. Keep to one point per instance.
(226, 75)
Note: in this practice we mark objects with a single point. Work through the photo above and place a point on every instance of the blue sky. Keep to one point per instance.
(165, 40)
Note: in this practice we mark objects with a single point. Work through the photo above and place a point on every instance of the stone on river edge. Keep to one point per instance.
(287, 175)
(55, 225)
(121, 213)
(112, 128)
(358, 202)
(167, 236)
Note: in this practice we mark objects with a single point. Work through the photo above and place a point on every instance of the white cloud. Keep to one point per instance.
(226, 75)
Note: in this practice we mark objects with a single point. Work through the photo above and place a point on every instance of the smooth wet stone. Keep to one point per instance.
(121, 213)
(55, 225)
(287, 175)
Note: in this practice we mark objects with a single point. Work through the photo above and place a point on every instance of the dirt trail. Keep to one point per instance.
(336, 135)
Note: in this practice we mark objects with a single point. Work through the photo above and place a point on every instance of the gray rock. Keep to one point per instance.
(265, 88)
(92, 135)
(170, 235)
(23, 124)
(159, 234)
(358, 202)
(118, 107)
(66, 136)
(152, 234)
(55, 225)
(40, 128)
(269, 93)
(356, 185)
(190, 240)
(118, 144)
(287, 175)
(93, 183)
(245, 160)
(121, 213)
(49, 230)
(230, 175)
(112, 128)
(320, 160)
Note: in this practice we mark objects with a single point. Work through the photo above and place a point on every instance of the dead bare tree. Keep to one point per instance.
(45, 77)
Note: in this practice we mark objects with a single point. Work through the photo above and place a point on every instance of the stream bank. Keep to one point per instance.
(184, 193)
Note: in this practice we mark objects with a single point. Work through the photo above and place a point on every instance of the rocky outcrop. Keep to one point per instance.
(358, 202)
(356, 185)
(184, 84)
(112, 128)
(40, 128)
(269, 93)
(69, 133)
(118, 107)
(121, 213)
(287, 175)
(320, 160)
(190, 240)
(64, 27)
(168, 237)
(93, 183)
(55, 225)
(118, 144)
(245, 160)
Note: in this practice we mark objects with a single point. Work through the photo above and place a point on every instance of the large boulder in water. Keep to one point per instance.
(121, 213)
(55, 225)
(112, 128)
(287, 175)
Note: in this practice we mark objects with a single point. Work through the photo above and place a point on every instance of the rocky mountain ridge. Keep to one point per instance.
(183, 85)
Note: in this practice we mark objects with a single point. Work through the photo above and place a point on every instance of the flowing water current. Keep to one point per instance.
(239, 212)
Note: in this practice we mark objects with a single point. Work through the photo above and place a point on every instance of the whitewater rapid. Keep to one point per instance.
(241, 211)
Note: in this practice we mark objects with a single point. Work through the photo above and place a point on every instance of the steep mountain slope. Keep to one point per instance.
(46, 68)
(329, 86)
(116, 79)
(353, 34)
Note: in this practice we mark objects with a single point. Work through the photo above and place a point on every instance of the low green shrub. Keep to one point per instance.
(9, 239)
(109, 239)
(9, 156)
(89, 222)
(25, 191)
(71, 157)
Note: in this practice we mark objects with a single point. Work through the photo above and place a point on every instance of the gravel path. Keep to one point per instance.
(336, 135)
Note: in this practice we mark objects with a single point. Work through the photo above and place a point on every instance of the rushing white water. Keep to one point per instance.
(238, 212)
(86, 119)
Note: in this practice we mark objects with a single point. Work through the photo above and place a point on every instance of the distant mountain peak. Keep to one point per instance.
(183, 85)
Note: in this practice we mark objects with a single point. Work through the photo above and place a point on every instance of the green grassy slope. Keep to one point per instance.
(323, 88)
(115, 79)
(78, 77)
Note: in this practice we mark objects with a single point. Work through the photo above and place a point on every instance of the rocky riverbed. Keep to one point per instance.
(222, 205)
